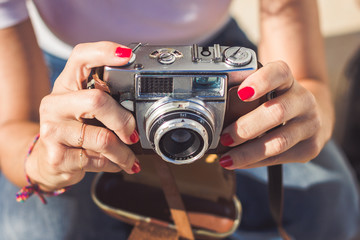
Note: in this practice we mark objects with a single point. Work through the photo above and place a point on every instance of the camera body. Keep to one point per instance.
(178, 94)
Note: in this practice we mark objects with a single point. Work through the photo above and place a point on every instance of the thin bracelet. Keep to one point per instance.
(27, 191)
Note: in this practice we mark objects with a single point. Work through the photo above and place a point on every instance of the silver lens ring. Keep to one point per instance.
(190, 126)
(170, 118)
(167, 105)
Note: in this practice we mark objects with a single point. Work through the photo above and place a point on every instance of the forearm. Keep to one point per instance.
(24, 81)
(15, 140)
(290, 32)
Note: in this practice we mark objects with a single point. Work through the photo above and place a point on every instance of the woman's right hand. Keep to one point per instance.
(68, 147)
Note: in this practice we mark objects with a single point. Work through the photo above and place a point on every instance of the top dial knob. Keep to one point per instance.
(237, 56)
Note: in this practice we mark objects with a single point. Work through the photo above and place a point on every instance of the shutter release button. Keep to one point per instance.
(237, 56)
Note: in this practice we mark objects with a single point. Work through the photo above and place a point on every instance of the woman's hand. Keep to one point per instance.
(285, 129)
(68, 147)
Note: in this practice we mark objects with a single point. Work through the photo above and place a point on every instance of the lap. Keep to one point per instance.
(321, 202)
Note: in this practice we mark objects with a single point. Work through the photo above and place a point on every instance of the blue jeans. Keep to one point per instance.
(321, 199)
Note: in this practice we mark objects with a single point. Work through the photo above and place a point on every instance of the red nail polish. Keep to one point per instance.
(134, 138)
(246, 93)
(136, 167)
(123, 52)
(226, 161)
(226, 139)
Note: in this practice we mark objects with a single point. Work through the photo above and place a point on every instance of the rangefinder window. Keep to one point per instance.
(156, 85)
(209, 85)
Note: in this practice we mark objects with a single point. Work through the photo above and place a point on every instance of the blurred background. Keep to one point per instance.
(340, 24)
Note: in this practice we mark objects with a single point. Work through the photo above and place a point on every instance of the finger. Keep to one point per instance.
(94, 138)
(86, 56)
(302, 152)
(91, 104)
(104, 142)
(236, 77)
(89, 161)
(268, 116)
(270, 144)
(273, 76)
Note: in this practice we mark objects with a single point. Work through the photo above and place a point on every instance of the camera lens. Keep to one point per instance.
(181, 143)
(180, 131)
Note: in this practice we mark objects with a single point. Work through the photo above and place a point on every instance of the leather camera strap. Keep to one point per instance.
(276, 197)
(150, 230)
(176, 206)
(174, 200)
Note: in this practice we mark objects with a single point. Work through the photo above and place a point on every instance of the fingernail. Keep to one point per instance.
(136, 167)
(226, 139)
(134, 138)
(246, 93)
(123, 52)
(226, 161)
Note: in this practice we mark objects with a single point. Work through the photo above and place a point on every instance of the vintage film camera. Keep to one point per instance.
(180, 95)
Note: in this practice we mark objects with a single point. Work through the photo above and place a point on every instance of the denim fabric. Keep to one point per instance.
(321, 197)
(55, 66)
(72, 215)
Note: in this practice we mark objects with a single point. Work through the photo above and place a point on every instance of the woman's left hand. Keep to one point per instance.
(285, 129)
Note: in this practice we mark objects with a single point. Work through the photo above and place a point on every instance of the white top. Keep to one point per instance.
(122, 21)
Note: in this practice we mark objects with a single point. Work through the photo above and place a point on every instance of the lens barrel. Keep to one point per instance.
(180, 136)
